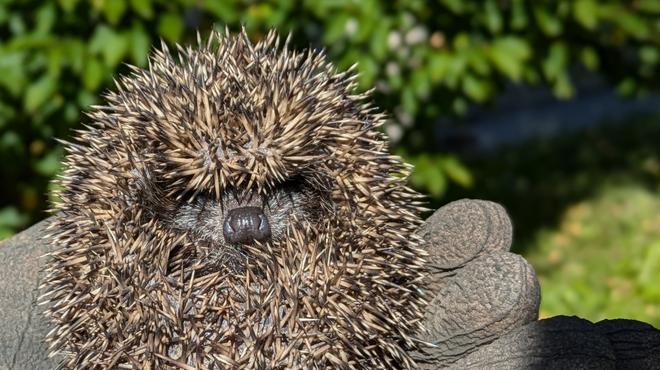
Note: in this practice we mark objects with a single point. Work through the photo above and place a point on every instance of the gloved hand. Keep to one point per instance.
(482, 313)
(22, 324)
(484, 305)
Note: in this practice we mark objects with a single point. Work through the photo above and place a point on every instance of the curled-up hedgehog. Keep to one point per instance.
(234, 206)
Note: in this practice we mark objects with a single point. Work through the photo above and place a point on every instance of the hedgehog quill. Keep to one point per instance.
(234, 206)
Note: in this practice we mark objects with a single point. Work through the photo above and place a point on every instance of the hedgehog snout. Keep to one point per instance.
(244, 225)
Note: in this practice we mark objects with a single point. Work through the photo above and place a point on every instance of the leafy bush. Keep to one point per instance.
(425, 59)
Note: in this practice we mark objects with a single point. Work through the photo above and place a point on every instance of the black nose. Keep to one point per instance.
(246, 224)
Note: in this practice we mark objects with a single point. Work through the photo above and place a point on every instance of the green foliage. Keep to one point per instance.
(432, 172)
(426, 59)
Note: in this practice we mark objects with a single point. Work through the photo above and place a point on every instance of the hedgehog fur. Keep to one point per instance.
(143, 276)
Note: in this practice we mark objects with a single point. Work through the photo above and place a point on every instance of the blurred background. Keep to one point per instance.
(549, 107)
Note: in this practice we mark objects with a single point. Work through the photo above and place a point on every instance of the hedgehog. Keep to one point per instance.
(234, 205)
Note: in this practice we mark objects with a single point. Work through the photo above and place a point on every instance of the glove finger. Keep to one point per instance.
(501, 231)
(461, 230)
(478, 303)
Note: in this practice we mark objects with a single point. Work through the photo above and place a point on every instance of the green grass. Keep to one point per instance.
(603, 259)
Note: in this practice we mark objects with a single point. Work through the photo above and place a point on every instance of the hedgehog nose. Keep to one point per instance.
(246, 224)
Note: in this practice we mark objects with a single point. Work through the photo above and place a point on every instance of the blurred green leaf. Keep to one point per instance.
(508, 55)
(140, 44)
(12, 142)
(45, 19)
(378, 43)
(114, 10)
(428, 174)
(225, 10)
(556, 62)
(71, 113)
(478, 60)
(93, 74)
(4, 15)
(493, 16)
(260, 12)
(170, 26)
(456, 171)
(626, 87)
(459, 105)
(437, 183)
(395, 81)
(456, 66)
(461, 41)
(586, 13)
(12, 73)
(55, 60)
(438, 65)
(145, 9)
(589, 58)
(85, 98)
(549, 24)
(68, 5)
(7, 113)
(649, 55)
(17, 24)
(563, 88)
(456, 6)
(409, 100)
(420, 82)
(10, 217)
(37, 93)
(365, 25)
(651, 6)
(110, 44)
(335, 28)
(368, 70)
(519, 19)
(632, 24)
(116, 49)
(74, 50)
(49, 165)
(477, 89)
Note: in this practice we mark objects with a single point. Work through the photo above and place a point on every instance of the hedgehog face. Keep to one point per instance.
(234, 208)
(242, 217)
